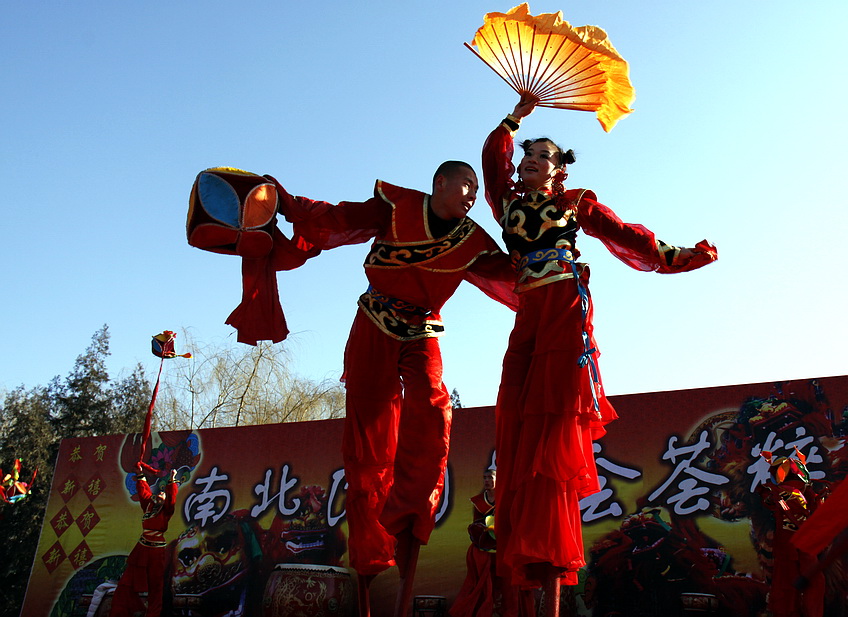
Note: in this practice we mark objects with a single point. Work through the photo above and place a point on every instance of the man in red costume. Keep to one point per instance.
(484, 593)
(145, 570)
(397, 426)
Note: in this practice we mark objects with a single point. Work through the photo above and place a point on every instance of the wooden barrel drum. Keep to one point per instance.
(306, 590)
(699, 604)
(428, 606)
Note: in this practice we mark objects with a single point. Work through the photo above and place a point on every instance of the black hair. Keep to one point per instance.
(448, 168)
(566, 157)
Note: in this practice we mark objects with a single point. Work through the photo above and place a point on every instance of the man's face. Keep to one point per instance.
(454, 194)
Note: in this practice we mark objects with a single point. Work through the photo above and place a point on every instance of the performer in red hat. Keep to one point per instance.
(145, 569)
(397, 424)
(551, 404)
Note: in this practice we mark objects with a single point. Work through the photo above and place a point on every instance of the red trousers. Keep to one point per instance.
(395, 445)
(546, 422)
(145, 571)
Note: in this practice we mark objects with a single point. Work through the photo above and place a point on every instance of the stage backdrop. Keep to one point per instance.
(676, 514)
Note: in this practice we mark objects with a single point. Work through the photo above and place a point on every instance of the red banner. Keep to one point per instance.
(678, 469)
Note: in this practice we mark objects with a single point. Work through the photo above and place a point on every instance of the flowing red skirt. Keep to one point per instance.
(546, 423)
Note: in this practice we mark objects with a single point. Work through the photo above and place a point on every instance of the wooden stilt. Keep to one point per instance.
(363, 583)
(526, 603)
(406, 556)
(551, 590)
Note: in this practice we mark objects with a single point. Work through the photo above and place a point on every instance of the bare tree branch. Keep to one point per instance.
(237, 385)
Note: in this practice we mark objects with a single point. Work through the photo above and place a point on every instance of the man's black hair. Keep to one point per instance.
(448, 168)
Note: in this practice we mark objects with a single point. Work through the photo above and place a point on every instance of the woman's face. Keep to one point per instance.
(538, 165)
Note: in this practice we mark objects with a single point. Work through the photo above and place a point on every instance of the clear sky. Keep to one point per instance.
(110, 109)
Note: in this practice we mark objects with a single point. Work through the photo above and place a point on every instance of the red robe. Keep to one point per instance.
(550, 408)
(476, 596)
(398, 411)
(145, 569)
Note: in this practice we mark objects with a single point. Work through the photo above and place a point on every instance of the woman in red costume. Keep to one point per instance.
(145, 570)
(551, 405)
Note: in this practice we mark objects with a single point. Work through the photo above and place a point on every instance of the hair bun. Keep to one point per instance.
(566, 157)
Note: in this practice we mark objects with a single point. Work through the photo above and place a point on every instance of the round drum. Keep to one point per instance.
(306, 590)
(699, 603)
(428, 606)
(102, 598)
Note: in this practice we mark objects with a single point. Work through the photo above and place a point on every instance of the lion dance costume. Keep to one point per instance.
(792, 498)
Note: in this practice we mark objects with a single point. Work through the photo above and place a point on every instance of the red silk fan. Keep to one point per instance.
(565, 67)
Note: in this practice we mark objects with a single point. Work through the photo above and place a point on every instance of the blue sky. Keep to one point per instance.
(111, 109)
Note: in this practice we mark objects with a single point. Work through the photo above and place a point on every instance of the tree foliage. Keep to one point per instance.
(456, 403)
(32, 423)
(225, 386)
(219, 386)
